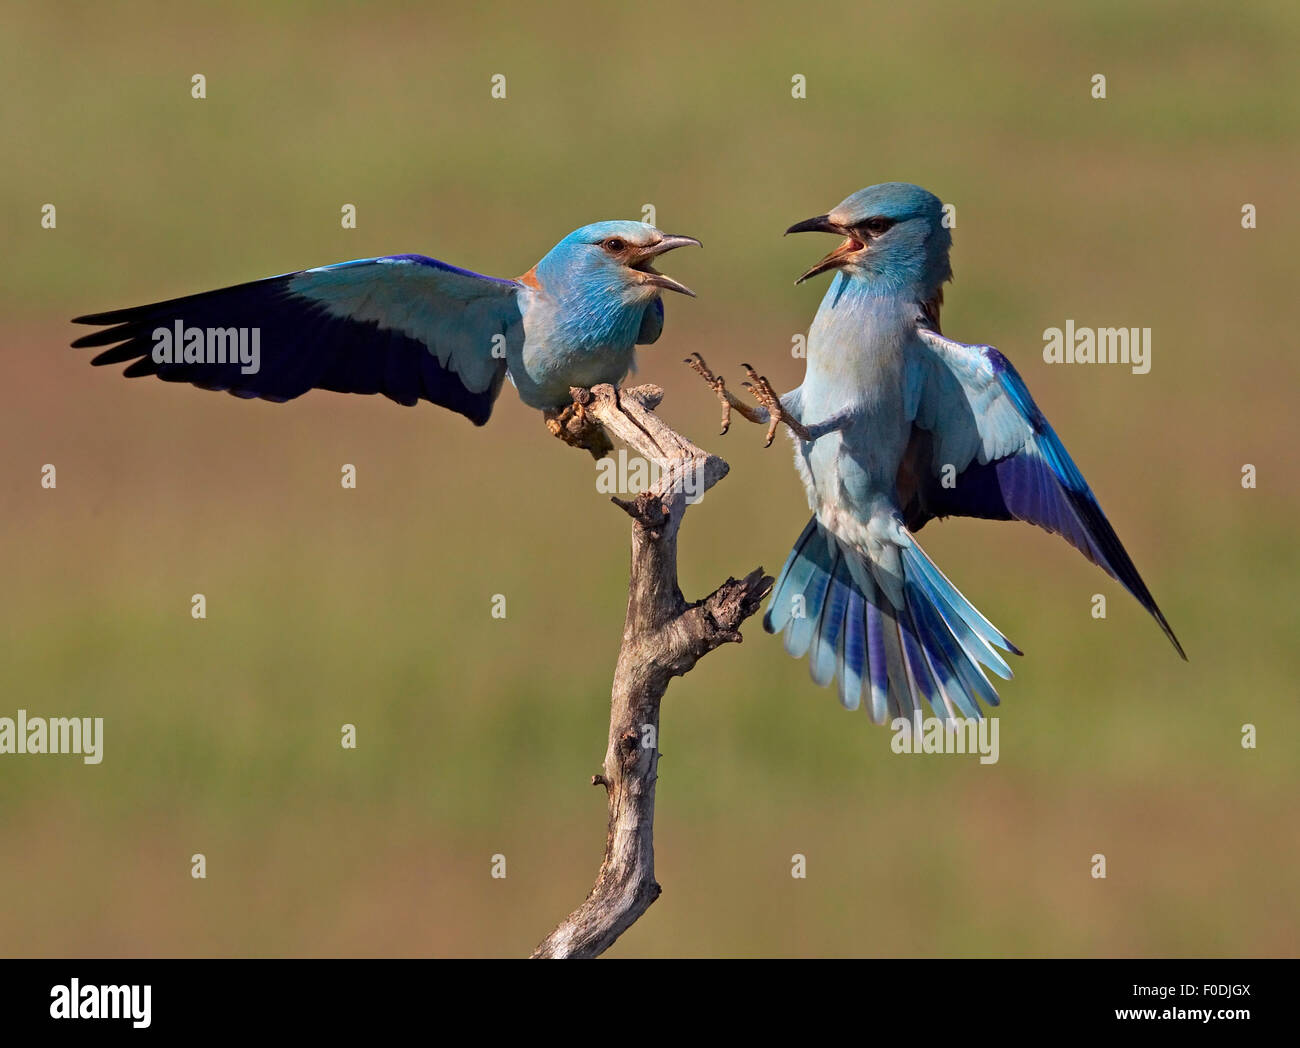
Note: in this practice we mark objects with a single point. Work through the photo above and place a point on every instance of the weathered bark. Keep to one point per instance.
(664, 636)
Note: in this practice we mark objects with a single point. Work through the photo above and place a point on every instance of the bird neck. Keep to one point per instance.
(857, 297)
(589, 309)
(858, 339)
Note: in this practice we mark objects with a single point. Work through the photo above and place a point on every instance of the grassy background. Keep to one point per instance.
(477, 735)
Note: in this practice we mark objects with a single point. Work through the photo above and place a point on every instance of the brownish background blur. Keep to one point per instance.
(477, 736)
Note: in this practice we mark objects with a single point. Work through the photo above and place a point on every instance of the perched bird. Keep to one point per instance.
(413, 328)
(888, 411)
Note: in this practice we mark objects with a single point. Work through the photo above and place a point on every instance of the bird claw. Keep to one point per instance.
(696, 364)
(761, 390)
(578, 429)
(769, 410)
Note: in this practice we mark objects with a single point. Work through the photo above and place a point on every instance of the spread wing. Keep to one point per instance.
(407, 326)
(972, 411)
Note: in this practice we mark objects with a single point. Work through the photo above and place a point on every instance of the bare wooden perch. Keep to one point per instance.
(663, 637)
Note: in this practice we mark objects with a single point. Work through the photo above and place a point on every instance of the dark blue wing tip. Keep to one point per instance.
(99, 319)
(1170, 634)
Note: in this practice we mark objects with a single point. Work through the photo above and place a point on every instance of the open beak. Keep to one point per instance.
(652, 276)
(823, 224)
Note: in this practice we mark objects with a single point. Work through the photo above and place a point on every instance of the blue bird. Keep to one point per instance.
(888, 411)
(412, 328)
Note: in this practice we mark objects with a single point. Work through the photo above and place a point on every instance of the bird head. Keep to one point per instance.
(613, 258)
(893, 234)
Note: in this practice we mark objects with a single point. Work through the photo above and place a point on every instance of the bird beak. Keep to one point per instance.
(823, 224)
(653, 277)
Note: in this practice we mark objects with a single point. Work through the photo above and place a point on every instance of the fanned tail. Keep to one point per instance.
(832, 603)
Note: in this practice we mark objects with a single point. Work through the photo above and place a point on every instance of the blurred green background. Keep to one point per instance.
(477, 736)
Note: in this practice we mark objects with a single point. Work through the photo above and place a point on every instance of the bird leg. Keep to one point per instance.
(769, 412)
(761, 390)
(578, 429)
(728, 399)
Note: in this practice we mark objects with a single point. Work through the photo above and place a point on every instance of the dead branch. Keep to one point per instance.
(663, 637)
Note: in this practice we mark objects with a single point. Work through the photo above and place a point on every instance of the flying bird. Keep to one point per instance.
(888, 411)
(413, 328)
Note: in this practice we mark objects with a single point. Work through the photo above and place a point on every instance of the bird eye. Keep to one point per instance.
(876, 226)
(615, 245)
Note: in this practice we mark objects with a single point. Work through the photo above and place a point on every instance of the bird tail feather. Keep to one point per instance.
(833, 604)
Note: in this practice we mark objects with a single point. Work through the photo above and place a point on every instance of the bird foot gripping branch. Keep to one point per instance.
(769, 412)
(577, 428)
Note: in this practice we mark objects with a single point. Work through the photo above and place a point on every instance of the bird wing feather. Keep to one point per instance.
(972, 411)
(407, 326)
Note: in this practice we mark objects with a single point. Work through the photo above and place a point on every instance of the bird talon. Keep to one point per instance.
(761, 390)
(769, 411)
(697, 364)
